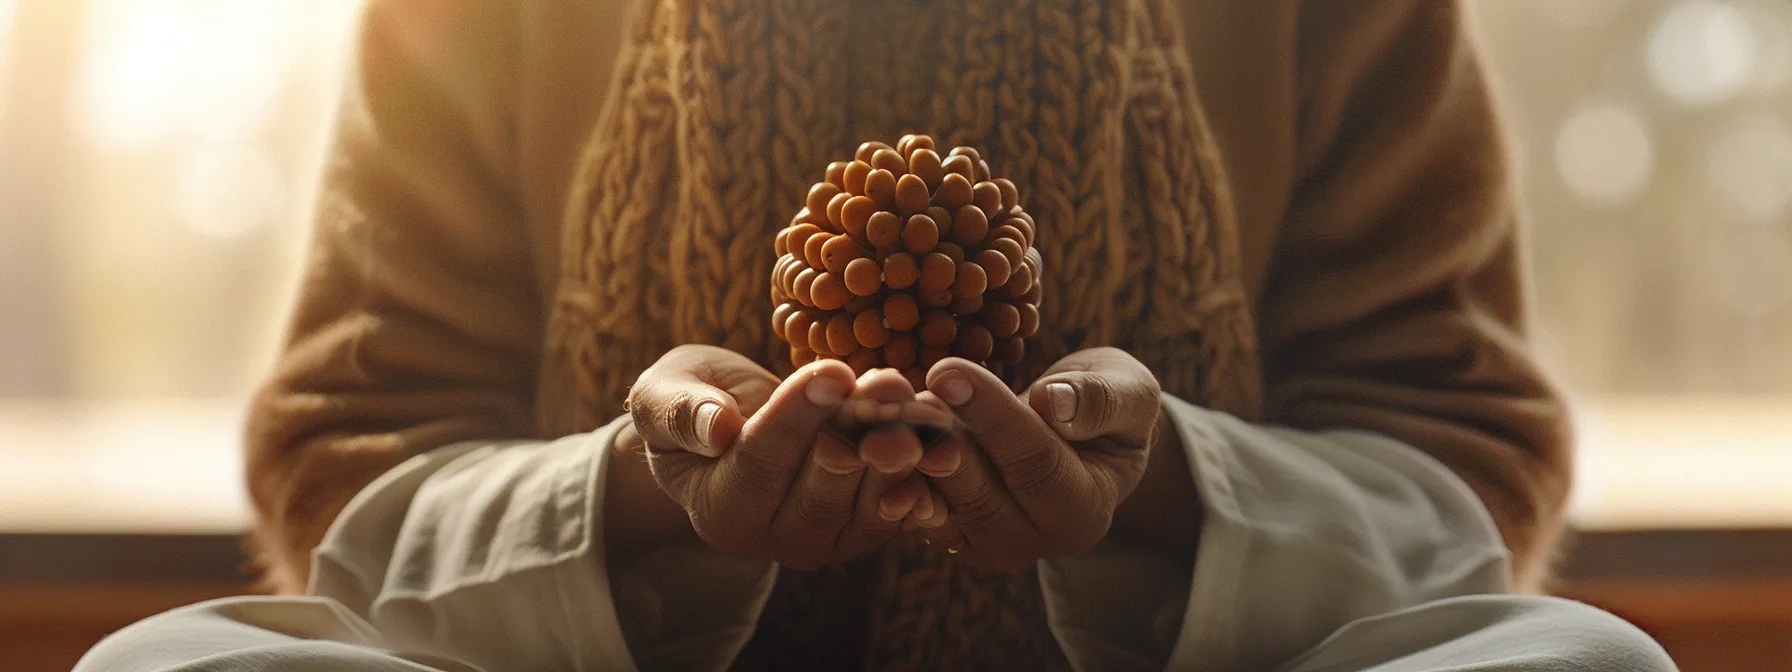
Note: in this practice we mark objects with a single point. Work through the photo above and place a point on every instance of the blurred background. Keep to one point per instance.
(156, 159)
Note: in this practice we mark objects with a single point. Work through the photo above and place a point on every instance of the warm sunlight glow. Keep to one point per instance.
(209, 68)
(7, 9)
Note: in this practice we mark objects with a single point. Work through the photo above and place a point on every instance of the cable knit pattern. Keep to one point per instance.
(723, 111)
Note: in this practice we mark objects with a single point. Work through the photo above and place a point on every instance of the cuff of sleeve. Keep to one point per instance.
(490, 553)
(1307, 531)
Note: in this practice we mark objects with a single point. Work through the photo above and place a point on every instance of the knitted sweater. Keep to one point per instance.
(1377, 245)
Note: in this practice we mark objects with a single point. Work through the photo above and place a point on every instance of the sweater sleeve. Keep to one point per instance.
(417, 321)
(1395, 300)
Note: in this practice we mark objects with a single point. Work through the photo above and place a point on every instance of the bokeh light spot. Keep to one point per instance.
(1702, 52)
(1604, 153)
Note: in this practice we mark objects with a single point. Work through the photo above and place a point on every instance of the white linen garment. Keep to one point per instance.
(1323, 551)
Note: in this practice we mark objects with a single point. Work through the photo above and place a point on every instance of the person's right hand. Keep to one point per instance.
(757, 464)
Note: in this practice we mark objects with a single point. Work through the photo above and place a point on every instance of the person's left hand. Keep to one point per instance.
(1039, 477)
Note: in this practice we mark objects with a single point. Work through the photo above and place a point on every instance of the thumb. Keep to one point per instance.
(1100, 392)
(677, 404)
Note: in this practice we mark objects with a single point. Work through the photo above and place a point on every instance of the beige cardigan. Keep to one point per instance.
(1383, 250)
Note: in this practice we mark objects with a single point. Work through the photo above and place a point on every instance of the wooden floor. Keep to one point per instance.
(1718, 601)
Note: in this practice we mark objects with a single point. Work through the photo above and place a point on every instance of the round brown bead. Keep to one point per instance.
(867, 150)
(836, 174)
(982, 172)
(988, 198)
(868, 328)
(884, 231)
(800, 290)
(819, 195)
(1010, 193)
(925, 164)
(807, 216)
(799, 235)
(903, 143)
(1019, 282)
(921, 142)
(901, 271)
(921, 234)
(881, 187)
(812, 247)
(937, 272)
(859, 303)
(900, 312)
(890, 160)
(796, 327)
(970, 225)
(934, 298)
(911, 194)
(791, 269)
(995, 265)
(1032, 295)
(840, 251)
(953, 251)
(971, 281)
(1029, 320)
(801, 357)
(841, 339)
(960, 165)
(1010, 249)
(937, 329)
(829, 291)
(781, 317)
(835, 205)
(856, 213)
(901, 350)
(974, 343)
(818, 337)
(854, 177)
(954, 192)
(863, 360)
(1003, 319)
(941, 217)
(863, 277)
(967, 152)
(781, 243)
(966, 305)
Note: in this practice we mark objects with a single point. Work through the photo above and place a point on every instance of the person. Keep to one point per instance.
(1280, 412)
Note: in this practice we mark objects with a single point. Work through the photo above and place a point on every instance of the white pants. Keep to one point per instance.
(1319, 551)
(1462, 634)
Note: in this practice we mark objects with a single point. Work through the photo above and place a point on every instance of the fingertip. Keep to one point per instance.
(891, 449)
(942, 461)
(827, 382)
(955, 380)
(834, 456)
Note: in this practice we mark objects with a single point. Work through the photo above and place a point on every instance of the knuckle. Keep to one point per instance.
(1032, 472)
(980, 510)
(757, 476)
(824, 513)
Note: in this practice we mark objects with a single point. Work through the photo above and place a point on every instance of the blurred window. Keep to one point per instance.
(157, 156)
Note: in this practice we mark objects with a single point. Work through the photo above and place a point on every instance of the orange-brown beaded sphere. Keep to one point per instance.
(901, 257)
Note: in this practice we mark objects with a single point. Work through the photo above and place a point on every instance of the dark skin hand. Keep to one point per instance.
(770, 468)
(1045, 475)
(1032, 487)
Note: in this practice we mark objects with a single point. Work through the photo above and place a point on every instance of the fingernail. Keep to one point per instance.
(892, 512)
(706, 421)
(1063, 399)
(824, 391)
(953, 388)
